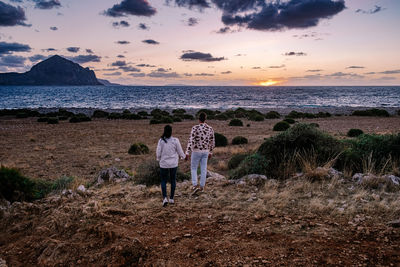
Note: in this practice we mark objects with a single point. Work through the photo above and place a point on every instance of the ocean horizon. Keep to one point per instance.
(196, 97)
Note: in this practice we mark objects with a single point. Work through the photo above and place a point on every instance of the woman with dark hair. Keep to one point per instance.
(169, 150)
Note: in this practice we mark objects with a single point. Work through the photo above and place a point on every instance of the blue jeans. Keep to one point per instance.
(165, 173)
(199, 158)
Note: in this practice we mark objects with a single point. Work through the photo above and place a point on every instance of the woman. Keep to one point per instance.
(169, 150)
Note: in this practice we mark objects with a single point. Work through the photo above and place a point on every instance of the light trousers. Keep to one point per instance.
(199, 158)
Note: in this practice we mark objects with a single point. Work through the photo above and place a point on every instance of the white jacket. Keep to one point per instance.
(168, 152)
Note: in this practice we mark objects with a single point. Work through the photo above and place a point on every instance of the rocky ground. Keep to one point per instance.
(252, 222)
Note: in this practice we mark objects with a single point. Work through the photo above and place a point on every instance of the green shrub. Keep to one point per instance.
(220, 140)
(235, 122)
(23, 112)
(148, 173)
(289, 120)
(131, 116)
(179, 111)
(22, 115)
(221, 117)
(52, 120)
(138, 149)
(100, 114)
(62, 118)
(323, 115)
(354, 132)
(161, 120)
(256, 117)
(253, 164)
(64, 182)
(235, 160)
(239, 140)
(188, 117)
(157, 113)
(143, 113)
(316, 125)
(272, 115)
(281, 126)
(114, 116)
(371, 112)
(80, 117)
(42, 119)
(176, 119)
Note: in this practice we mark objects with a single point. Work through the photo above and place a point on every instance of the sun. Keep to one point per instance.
(268, 83)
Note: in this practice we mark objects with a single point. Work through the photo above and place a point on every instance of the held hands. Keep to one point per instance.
(187, 157)
(209, 156)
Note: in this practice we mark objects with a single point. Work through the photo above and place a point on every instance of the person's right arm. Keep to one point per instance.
(190, 143)
(158, 151)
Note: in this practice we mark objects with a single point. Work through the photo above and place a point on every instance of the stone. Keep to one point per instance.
(358, 177)
(81, 188)
(215, 176)
(395, 223)
(334, 173)
(112, 175)
(392, 179)
(252, 180)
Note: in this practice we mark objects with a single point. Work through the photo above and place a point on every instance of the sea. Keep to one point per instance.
(196, 97)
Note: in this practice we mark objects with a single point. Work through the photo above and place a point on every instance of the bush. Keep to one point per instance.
(235, 160)
(42, 119)
(289, 120)
(316, 125)
(22, 115)
(239, 140)
(272, 115)
(52, 120)
(188, 117)
(221, 117)
(80, 117)
(158, 113)
(100, 114)
(281, 126)
(64, 182)
(161, 120)
(138, 149)
(176, 119)
(220, 140)
(131, 116)
(16, 187)
(148, 173)
(371, 112)
(354, 132)
(253, 164)
(256, 117)
(179, 111)
(235, 122)
(143, 113)
(114, 116)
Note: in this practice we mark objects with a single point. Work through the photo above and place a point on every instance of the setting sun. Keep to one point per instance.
(268, 83)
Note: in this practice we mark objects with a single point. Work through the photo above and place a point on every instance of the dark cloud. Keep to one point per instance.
(204, 74)
(199, 56)
(137, 74)
(150, 41)
(256, 68)
(277, 67)
(119, 63)
(122, 23)
(42, 4)
(12, 61)
(226, 72)
(344, 74)
(192, 21)
(162, 70)
(53, 28)
(199, 4)
(188, 74)
(371, 11)
(49, 50)
(73, 49)
(89, 51)
(163, 74)
(122, 42)
(121, 56)
(37, 57)
(85, 58)
(277, 15)
(390, 72)
(369, 73)
(129, 69)
(145, 65)
(240, 55)
(131, 7)
(9, 48)
(117, 73)
(224, 30)
(316, 70)
(11, 16)
(143, 26)
(295, 54)
(355, 67)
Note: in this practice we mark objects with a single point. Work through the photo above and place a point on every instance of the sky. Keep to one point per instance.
(209, 42)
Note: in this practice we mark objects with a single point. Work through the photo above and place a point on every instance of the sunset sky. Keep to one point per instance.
(209, 42)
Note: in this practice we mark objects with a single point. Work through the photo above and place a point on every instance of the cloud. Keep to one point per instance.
(150, 41)
(371, 11)
(11, 16)
(12, 61)
(344, 74)
(137, 74)
(199, 56)
(117, 73)
(42, 4)
(390, 72)
(226, 72)
(199, 4)
(37, 57)
(161, 70)
(295, 54)
(316, 70)
(204, 74)
(49, 50)
(118, 63)
(129, 69)
(73, 49)
(187, 74)
(224, 30)
(278, 15)
(192, 21)
(85, 58)
(53, 28)
(163, 74)
(121, 56)
(143, 26)
(145, 65)
(122, 42)
(122, 23)
(9, 48)
(277, 67)
(355, 67)
(131, 7)
(89, 51)
(256, 68)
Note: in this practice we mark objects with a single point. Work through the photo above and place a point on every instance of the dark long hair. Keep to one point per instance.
(167, 133)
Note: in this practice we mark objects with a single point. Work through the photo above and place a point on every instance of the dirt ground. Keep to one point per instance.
(293, 223)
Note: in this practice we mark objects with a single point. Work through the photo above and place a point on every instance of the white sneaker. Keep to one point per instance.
(165, 202)
(171, 201)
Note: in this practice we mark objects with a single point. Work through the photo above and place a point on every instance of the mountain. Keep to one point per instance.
(108, 83)
(55, 70)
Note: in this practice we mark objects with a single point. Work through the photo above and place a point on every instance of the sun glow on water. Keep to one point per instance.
(268, 83)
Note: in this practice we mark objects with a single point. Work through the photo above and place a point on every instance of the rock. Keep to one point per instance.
(255, 179)
(81, 188)
(392, 179)
(395, 223)
(215, 176)
(358, 177)
(334, 173)
(3, 263)
(112, 175)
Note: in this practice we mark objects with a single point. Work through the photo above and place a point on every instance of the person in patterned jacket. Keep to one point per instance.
(201, 144)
